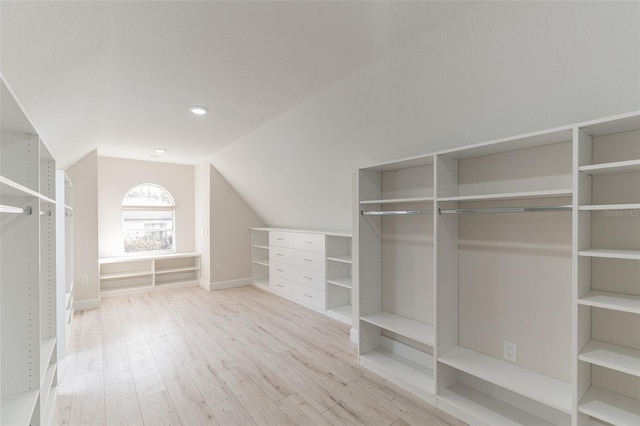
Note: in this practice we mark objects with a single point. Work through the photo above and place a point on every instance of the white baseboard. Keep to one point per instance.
(85, 305)
(354, 335)
(220, 285)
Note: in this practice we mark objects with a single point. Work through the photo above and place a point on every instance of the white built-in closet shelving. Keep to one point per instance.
(607, 230)
(309, 267)
(135, 272)
(532, 240)
(64, 255)
(28, 379)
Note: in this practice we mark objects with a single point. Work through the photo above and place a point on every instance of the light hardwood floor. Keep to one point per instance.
(238, 356)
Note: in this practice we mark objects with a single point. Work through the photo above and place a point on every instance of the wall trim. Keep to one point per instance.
(221, 285)
(84, 305)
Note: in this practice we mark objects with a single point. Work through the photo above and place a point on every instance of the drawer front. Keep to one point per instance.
(281, 286)
(308, 296)
(281, 270)
(310, 242)
(309, 278)
(280, 239)
(309, 260)
(281, 254)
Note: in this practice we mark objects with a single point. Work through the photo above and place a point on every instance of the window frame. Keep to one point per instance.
(149, 208)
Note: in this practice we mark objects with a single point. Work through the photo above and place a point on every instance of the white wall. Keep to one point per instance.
(117, 176)
(85, 221)
(497, 69)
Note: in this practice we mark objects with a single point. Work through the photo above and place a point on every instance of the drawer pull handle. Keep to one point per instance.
(308, 295)
(279, 254)
(279, 285)
(309, 242)
(308, 278)
(280, 239)
(278, 269)
(308, 260)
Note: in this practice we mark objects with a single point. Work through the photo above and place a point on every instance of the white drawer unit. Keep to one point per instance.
(281, 286)
(309, 242)
(309, 277)
(309, 296)
(309, 260)
(311, 268)
(280, 239)
(281, 270)
(281, 254)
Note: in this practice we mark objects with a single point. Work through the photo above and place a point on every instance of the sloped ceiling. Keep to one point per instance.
(120, 76)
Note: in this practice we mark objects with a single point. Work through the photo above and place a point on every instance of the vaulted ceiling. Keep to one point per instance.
(120, 76)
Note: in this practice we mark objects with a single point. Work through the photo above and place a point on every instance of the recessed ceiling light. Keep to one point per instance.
(161, 150)
(199, 110)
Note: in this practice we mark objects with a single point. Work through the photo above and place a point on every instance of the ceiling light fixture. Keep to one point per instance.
(199, 110)
(161, 150)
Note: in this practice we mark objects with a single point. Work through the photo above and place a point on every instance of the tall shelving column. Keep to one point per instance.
(27, 270)
(607, 267)
(504, 229)
(20, 275)
(65, 256)
(48, 293)
(395, 273)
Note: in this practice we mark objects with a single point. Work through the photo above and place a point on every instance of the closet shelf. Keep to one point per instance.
(46, 350)
(128, 274)
(388, 363)
(614, 301)
(105, 292)
(609, 168)
(544, 389)
(345, 282)
(341, 313)
(398, 200)
(483, 407)
(611, 253)
(615, 357)
(17, 409)
(261, 262)
(511, 195)
(178, 269)
(406, 327)
(592, 207)
(610, 407)
(9, 188)
(260, 247)
(343, 259)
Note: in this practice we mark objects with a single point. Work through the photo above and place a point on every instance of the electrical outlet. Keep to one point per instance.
(510, 351)
(84, 280)
(218, 266)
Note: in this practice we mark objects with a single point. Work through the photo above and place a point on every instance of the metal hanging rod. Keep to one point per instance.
(509, 210)
(15, 210)
(394, 212)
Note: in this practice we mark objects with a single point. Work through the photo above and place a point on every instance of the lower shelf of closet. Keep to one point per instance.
(18, 409)
(411, 375)
(476, 407)
(610, 407)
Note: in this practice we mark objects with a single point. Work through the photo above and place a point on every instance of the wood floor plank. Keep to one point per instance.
(157, 410)
(121, 404)
(253, 399)
(87, 403)
(221, 401)
(297, 409)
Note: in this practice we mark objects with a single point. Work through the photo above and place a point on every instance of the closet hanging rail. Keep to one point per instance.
(15, 210)
(508, 210)
(394, 212)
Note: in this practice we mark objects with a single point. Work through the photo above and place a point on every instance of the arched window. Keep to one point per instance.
(148, 214)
